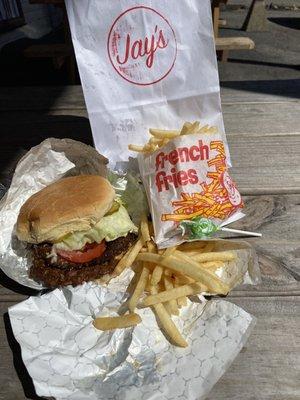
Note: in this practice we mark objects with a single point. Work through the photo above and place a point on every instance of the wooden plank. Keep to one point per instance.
(256, 19)
(234, 43)
(253, 118)
(278, 219)
(253, 157)
(216, 17)
(261, 119)
(268, 165)
(264, 91)
(268, 367)
(15, 382)
(71, 97)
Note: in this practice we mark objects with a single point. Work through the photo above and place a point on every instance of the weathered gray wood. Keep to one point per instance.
(234, 43)
(15, 383)
(265, 165)
(268, 367)
(71, 97)
(279, 91)
(256, 19)
(261, 118)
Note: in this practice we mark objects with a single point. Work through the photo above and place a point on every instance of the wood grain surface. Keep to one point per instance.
(262, 124)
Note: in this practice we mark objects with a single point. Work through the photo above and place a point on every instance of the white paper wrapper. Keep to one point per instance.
(69, 359)
(42, 165)
(176, 82)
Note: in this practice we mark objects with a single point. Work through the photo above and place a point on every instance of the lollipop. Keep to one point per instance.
(201, 228)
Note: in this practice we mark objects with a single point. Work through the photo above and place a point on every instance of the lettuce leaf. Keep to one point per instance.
(110, 227)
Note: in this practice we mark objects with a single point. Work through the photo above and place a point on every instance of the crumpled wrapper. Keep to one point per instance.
(68, 358)
(42, 165)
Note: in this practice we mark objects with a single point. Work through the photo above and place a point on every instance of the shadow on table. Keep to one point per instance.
(19, 134)
(293, 23)
(10, 284)
(284, 87)
(266, 64)
(20, 368)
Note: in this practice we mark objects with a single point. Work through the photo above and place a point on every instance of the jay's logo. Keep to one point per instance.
(142, 46)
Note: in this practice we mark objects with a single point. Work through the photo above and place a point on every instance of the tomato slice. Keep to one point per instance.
(88, 253)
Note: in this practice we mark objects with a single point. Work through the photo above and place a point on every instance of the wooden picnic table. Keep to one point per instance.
(264, 138)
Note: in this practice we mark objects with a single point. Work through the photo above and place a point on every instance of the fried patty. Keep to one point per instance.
(63, 272)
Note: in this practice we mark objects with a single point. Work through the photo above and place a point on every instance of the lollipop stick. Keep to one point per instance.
(241, 232)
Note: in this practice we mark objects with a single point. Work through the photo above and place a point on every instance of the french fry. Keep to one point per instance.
(121, 264)
(134, 252)
(204, 129)
(185, 128)
(155, 140)
(172, 304)
(163, 134)
(168, 272)
(212, 256)
(128, 259)
(181, 301)
(151, 247)
(184, 280)
(167, 307)
(169, 251)
(110, 323)
(134, 147)
(193, 128)
(192, 246)
(139, 289)
(167, 323)
(208, 247)
(188, 267)
(160, 137)
(174, 294)
(156, 275)
(145, 228)
(213, 264)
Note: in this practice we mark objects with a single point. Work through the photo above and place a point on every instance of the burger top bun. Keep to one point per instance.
(68, 205)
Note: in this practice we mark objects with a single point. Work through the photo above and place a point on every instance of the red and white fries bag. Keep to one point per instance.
(185, 179)
(145, 64)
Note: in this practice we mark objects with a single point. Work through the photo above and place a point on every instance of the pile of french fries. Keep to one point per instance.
(160, 137)
(165, 278)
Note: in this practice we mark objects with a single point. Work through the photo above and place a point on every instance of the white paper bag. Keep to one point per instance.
(144, 64)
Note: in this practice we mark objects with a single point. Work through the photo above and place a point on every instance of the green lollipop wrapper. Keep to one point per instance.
(198, 228)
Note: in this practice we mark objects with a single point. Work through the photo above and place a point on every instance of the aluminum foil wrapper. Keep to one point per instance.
(42, 165)
(68, 358)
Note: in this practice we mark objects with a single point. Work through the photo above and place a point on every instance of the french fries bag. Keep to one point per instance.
(189, 189)
(142, 64)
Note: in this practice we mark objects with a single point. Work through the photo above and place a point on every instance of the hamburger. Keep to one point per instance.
(76, 229)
